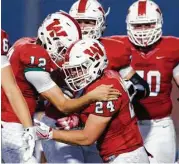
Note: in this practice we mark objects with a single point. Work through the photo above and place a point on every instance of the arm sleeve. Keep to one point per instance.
(35, 56)
(41, 80)
(176, 71)
(4, 61)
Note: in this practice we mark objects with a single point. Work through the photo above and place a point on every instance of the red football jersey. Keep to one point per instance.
(156, 67)
(118, 54)
(122, 134)
(4, 42)
(24, 55)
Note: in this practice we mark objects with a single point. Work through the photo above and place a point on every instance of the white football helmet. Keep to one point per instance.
(144, 12)
(84, 62)
(57, 32)
(90, 10)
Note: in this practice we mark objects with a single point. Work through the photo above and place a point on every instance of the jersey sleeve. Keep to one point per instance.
(119, 55)
(37, 65)
(106, 108)
(35, 58)
(172, 43)
(4, 43)
(176, 44)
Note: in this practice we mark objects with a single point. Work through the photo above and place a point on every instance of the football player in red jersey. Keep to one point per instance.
(31, 64)
(92, 20)
(13, 93)
(112, 123)
(58, 152)
(156, 59)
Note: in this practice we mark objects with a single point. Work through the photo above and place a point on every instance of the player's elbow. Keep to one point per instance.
(87, 139)
(87, 142)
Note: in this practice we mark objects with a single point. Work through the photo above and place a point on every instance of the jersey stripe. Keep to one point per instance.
(34, 69)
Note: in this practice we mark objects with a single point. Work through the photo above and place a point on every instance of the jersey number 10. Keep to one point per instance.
(153, 79)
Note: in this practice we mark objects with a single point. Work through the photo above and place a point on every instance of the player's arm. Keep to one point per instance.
(176, 74)
(15, 96)
(94, 127)
(10, 86)
(43, 83)
(101, 114)
(141, 86)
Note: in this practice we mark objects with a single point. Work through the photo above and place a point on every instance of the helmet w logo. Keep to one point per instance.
(56, 29)
(94, 51)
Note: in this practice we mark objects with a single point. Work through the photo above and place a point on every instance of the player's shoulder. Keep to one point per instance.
(109, 77)
(170, 42)
(115, 45)
(122, 38)
(28, 46)
(23, 41)
(4, 34)
(110, 41)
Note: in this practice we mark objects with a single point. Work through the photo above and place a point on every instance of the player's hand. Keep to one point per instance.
(67, 123)
(42, 130)
(104, 93)
(29, 137)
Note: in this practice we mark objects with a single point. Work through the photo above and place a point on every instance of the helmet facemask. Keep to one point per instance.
(144, 36)
(77, 77)
(81, 75)
(94, 32)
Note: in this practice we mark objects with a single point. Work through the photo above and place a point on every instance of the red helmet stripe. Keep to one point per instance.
(69, 50)
(75, 22)
(102, 10)
(82, 6)
(159, 11)
(142, 8)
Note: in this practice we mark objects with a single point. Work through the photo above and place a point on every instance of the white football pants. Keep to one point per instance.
(57, 152)
(137, 156)
(13, 147)
(159, 139)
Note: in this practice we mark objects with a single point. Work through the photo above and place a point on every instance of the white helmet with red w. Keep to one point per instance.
(144, 23)
(84, 62)
(90, 10)
(57, 32)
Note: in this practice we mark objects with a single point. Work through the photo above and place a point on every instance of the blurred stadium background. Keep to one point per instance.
(23, 17)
